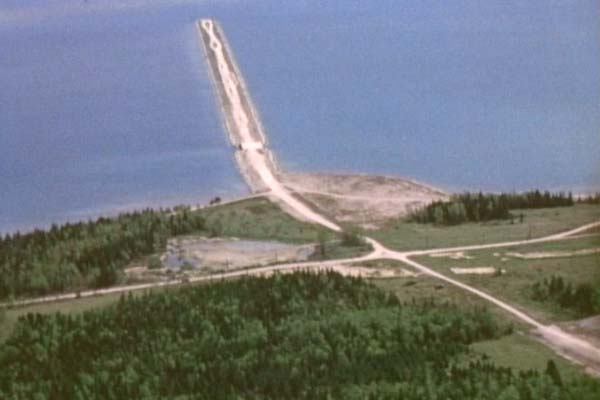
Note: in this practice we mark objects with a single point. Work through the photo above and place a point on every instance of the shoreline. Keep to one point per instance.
(250, 180)
(258, 165)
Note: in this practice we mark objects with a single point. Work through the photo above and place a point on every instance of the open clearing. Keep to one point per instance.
(521, 352)
(209, 254)
(260, 219)
(401, 235)
(364, 200)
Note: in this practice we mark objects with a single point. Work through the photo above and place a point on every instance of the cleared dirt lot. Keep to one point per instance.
(365, 200)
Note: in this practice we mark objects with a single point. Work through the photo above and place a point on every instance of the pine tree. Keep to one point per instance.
(553, 372)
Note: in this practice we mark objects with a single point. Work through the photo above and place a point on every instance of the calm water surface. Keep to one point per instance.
(107, 106)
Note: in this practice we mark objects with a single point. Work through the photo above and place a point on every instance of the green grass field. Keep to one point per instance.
(260, 219)
(523, 352)
(514, 285)
(401, 235)
(10, 316)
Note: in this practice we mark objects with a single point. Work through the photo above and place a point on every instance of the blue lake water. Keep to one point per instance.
(107, 105)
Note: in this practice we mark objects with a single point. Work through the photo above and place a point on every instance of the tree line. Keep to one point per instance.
(584, 298)
(86, 254)
(480, 207)
(294, 336)
(589, 199)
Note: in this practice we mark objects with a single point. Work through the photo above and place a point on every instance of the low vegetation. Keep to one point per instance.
(288, 336)
(583, 298)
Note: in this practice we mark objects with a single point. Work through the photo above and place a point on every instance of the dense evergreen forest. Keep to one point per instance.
(584, 298)
(296, 336)
(471, 207)
(86, 254)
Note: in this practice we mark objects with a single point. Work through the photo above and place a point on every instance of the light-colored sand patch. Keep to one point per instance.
(141, 273)
(456, 255)
(553, 254)
(362, 199)
(474, 270)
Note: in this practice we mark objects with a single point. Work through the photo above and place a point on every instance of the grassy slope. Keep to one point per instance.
(69, 307)
(260, 219)
(402, 235)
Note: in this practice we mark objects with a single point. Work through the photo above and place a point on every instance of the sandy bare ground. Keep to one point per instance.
(456, 255)
(218, 254)
(474, 271)
(365, 200)
(553, 254)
